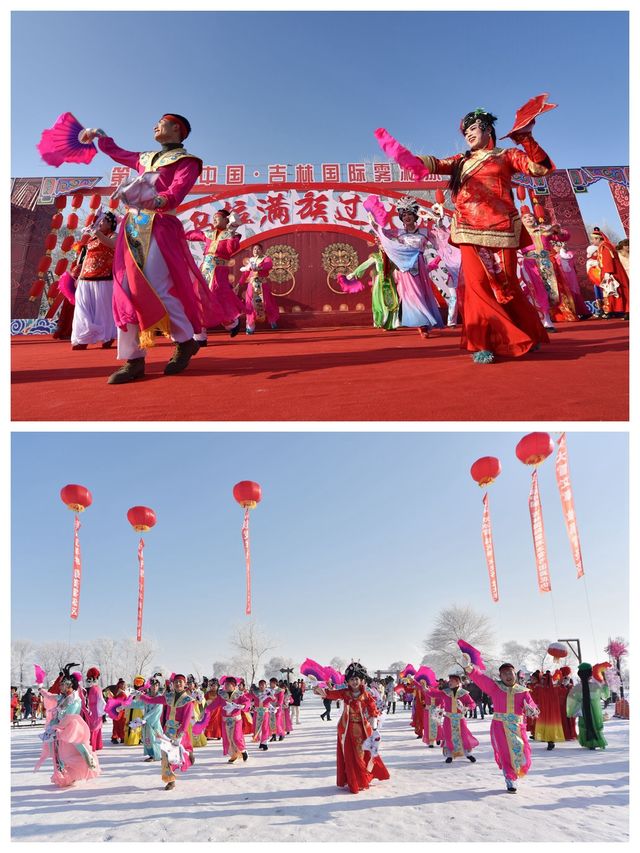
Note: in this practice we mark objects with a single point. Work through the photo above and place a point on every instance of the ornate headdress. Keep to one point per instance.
(355, 670)
(407, 204)
(484, 118)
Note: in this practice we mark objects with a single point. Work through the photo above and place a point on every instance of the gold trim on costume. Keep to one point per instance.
(492, 239)
(163, 158)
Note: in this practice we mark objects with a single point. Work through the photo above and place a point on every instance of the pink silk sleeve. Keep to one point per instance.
(486, 684)
(185, 173)
(196, 236)
(120, 155)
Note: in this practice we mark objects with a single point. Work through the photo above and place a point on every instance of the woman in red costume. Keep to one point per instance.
(615, 281)
(357, 765)
(498, 318)
(213, 730)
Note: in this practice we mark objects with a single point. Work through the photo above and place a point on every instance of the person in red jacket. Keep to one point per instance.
(615, 281)
(498, 318)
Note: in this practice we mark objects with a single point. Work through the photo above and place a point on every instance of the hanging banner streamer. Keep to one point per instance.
(140, 587)
(247, 556)
(487, 541)
(77, 571)
(539, 542)
(566, 497)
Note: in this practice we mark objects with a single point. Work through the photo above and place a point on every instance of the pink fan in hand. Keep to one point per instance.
(402, 156)
(376, 208)
(60, 144)
(530, 112)
(348, 286)
(474, 654)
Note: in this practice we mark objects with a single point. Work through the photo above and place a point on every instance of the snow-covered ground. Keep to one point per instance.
(289, 793)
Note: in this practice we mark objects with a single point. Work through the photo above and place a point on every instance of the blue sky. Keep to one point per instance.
(289, 87)
(360, 540)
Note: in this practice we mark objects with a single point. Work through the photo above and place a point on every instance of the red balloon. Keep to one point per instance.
(534, 448)
(141, 518)
(77, 498)
(247, 493)
(439, 196)
(485, 470)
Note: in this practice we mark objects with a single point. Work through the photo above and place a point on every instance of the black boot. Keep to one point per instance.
(244, 756)
(181, 357)
(472, 758)
(551, 745)
(272, 738)
(448, 760)
(281, 737)
(131, 370)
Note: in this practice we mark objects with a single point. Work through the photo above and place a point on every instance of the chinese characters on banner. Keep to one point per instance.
(140, 587)
(487, 541)
(566, 498)
(539, 541)
(77, 571)
(247, 557)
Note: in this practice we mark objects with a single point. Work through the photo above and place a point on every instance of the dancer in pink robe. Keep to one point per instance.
(277, 711)
(262, 700)
(179, 708)
(234, 703)
(432, 731)
(259, 302)
(156, 283)
(458, 740)
(511, 702)
(94, 707)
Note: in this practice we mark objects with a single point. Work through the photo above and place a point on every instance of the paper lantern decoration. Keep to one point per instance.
(142, 519)
(539, 212)
(77, 499)
(485, 470)
(114, 203)
(557, 651)
(521, 192)
(248, 494)
(95, 202)
(67, 243)
(72, 221)
(60, 202)
(50, 242)
(439, 197)
(45, 263)
(61, 266)
(534, 448)
(56, 221)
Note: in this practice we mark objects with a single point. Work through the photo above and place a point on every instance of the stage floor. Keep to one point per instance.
(335, 374)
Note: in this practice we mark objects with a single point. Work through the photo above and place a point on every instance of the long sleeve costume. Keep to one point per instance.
(432, 715)
(550, 700)
(508, 731)
(457, 739)
(486, 226)
(355, 765)
(259, 301)
(609, 263)
(92, 713)
(151, 727)
(220, 246)
(384, 294)
(178, 718)
(93, 316)
(232, 706)
(213, 730)
(588, 709)
(261, 703)
(67, 740)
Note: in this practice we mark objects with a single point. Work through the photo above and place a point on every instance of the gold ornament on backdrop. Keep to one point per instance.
(338, 258)
(285, 265)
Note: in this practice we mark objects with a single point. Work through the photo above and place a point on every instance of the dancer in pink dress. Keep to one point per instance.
(94, 707)
(458, 740)
(262, 699)
(176, 747)
(233, 703)
(259, 302)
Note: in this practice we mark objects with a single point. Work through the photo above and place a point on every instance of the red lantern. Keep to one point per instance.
(113, 203)
(77, 498)
(439, 197)
(95, 202)
(72, 221)
(521, 192)
(67, 243)
(141, 518)
(60, 202)
(76, 201)
(50, 242)
(557, 651)
(91, 218)
(56, 221)
(61, 266)
(485, 470)
(534, 448)
(247, 493)
(45, 263)
(538, 210)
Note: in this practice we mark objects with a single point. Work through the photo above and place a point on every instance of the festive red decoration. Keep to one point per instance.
(141, 518)
(113, 203)
(534, 448)
(521, 192)
(45, 263)
(56, 221)
(72, 221)
(67, 243)
(538, 210)
(77, 498)
(91, 218)
(61, 266)
(95, 202)
(50, 242)
(439, 197)
(557, 651)
(247, 493)
(83, 240)
(525, 211)
(529, 112)
(485, 470)
(60, 202)
(76, 201)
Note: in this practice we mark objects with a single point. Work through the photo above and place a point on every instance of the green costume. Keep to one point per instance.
(384, 297)
(585, 702)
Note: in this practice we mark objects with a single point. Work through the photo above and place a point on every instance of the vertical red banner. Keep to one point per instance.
(566, 498)
(247, 557)
(77, 571)
(539, 541)
(140, 587)
(487, 541)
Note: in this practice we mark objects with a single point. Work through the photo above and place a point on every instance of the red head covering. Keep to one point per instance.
(181, 121)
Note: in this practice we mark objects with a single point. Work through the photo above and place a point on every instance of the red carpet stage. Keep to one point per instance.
(336, 374)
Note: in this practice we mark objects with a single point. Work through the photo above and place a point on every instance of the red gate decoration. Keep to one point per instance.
(485, 471)
(566, 498)
(142, 519)
(248, 494)
(77, 499)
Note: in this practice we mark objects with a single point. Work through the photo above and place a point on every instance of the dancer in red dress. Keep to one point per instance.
(357, 765)
(615, 281)
(498, 319)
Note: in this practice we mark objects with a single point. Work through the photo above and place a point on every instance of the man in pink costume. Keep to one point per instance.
(222, 243)
(259, 302)
(157, 285)
(511, 702)
(94, 707)
(261, 699)
(458, 740)
(179, 707)
(233, 703)
(277, 710)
